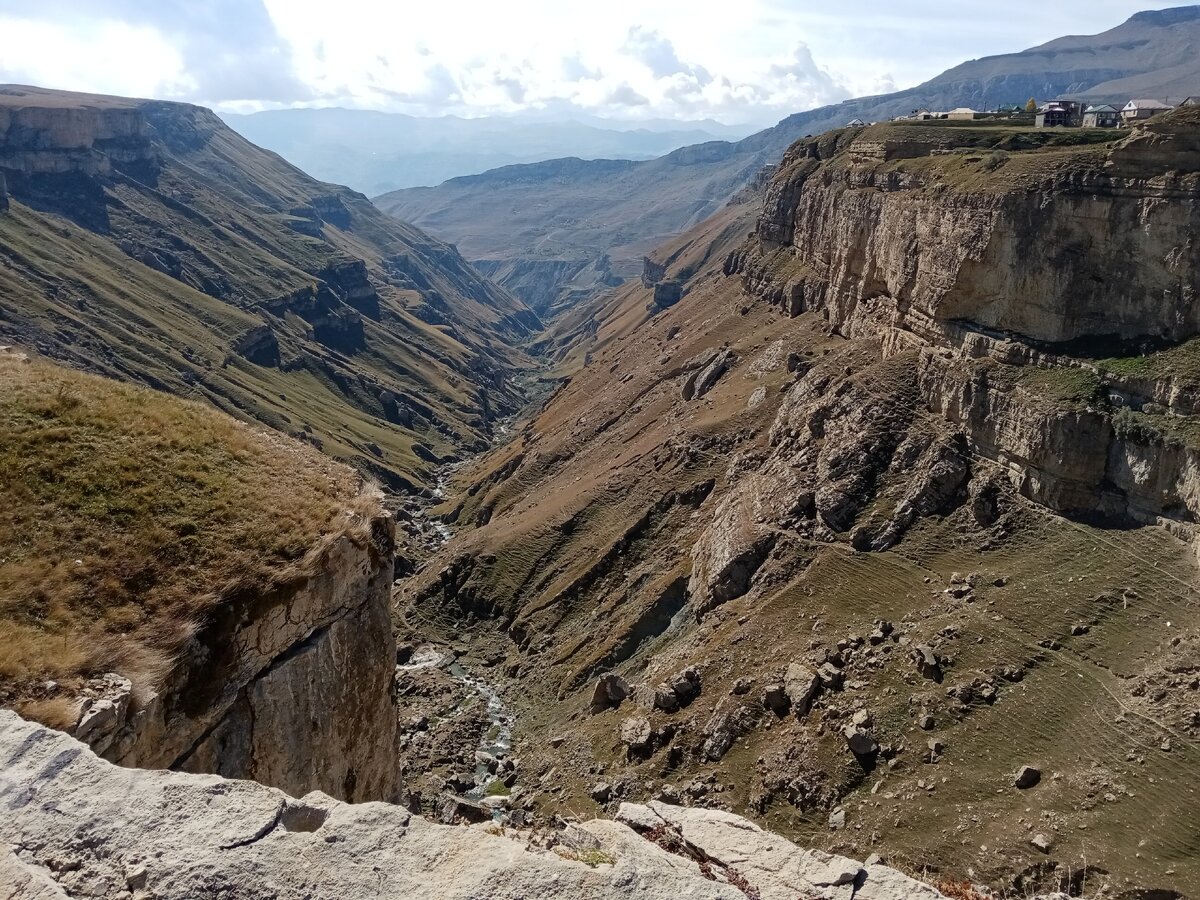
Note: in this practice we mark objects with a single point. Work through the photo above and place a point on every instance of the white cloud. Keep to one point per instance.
(635, 58)
(108, 58)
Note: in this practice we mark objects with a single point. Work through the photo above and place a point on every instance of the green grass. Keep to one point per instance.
(128, 514)
(497, 788)
(1061, 384)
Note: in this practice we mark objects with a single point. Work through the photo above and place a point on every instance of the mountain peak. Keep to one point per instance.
(1164, 18)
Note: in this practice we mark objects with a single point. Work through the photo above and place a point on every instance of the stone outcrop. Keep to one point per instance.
(293, 689)
(981, 276)
(77, 826)
(1097, 245)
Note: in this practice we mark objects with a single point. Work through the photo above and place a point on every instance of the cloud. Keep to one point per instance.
(658, 54)
(574, 69)
(624, 95)
(227, 49)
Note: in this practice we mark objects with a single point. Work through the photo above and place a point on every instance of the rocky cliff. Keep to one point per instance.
(897, 498)
(291, 689)
(1007, 273)
(79, 827)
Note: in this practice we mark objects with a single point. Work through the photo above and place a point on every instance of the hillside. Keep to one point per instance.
(148, 241)
(128, 513)
(897, 498)
(565, 214)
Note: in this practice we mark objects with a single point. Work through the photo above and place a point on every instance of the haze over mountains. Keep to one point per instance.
(376, 152)
(537, 227)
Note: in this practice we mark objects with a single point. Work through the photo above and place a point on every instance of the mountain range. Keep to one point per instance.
(375, 152)
(537, 227)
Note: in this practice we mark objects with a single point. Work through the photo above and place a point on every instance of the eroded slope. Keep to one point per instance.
(148, 241)
(908, 500)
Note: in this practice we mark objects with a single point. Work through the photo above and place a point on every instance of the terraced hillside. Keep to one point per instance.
(895, 497)
(148, 241)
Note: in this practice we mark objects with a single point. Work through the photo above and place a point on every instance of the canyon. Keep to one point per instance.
(864, 520)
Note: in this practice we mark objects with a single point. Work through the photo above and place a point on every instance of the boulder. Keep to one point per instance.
(1027, 777)
(636, 734)
(775, 698)
(802, 685)
(927, 661)
(610, 691)
(859, 740)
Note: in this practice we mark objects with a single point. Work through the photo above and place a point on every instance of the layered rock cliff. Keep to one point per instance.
(1024, 282)
(292, 689)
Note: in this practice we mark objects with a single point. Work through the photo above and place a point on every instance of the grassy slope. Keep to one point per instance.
(618, 438)
(222, 207)
(127, 513)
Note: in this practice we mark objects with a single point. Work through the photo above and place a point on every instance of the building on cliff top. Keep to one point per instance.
(1138, 110)
(1104, 116)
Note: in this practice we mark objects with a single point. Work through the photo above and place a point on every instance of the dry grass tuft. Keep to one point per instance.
(127, 514)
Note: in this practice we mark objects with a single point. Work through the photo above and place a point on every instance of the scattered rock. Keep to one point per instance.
(801, 685)
(601, 792)
(1027, 777)
(611, 689)
(926, 722)
(742, 686)
(859, 741)
(837, 818)
(678, 691)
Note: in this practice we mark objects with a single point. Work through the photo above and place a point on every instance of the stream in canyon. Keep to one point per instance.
(495, 741)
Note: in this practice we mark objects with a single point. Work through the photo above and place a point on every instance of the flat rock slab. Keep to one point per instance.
(75, 825)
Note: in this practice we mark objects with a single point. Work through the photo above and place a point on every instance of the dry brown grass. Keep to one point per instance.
(127, 514)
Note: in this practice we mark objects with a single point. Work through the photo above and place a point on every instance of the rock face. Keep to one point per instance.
(77, 826)
(941, 258)
(294, 689)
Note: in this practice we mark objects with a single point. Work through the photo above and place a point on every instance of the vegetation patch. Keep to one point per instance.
(128, 514)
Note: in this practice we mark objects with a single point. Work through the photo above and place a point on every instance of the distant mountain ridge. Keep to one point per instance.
(375, 151)
(575, 211)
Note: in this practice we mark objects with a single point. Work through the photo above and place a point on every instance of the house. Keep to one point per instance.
(1060, 114)
(855, 123)
(1104, 116)
(1191, 101)
(1140, 110)
(963, 113)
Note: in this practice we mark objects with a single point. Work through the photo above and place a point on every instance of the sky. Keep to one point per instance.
(736, 61)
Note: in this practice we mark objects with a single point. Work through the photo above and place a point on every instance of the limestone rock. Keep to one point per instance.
(1027, 777)
(84, 828)
(293, 690)
(611, 689)
(859, 740)
(636, 734)
(802, 685)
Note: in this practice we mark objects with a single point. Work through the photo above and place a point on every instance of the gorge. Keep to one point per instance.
(863, 521)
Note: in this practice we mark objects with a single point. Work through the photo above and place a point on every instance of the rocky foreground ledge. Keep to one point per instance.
(74, 825)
